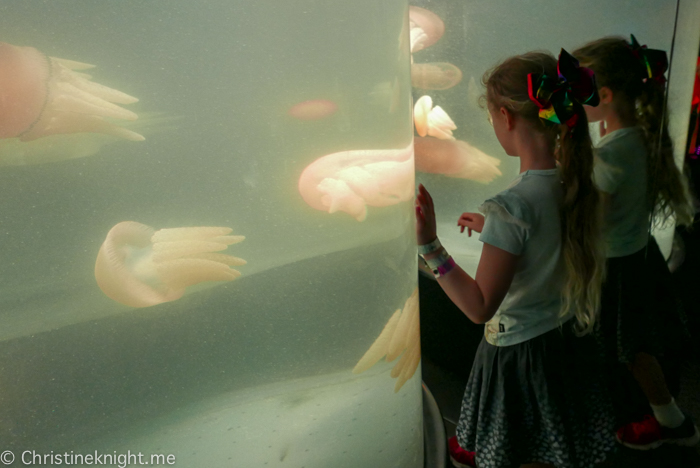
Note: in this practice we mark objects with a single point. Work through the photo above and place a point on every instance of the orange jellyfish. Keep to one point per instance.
(435, 76)
(140, 267)
(432, 121)
(426, 28)
(400, 337)
(313, 110)
(455, 158)
(349, 181)
(41, 95)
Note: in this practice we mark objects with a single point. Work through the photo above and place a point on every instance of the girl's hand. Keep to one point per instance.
(426, 230)
(471, 221)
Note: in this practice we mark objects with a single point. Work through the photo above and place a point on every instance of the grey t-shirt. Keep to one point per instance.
(524, 220)
(621, 171)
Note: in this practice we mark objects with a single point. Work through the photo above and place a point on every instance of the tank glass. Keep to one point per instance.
(478, 35)
(208, 244)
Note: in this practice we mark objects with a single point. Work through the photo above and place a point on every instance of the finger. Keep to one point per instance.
(461, 229)
(470, 232)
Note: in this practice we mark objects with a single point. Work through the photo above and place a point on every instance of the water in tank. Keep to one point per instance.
(463, 164)
(207, 234)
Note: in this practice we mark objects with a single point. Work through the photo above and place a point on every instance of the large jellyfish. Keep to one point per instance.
(401, 334)
(455, 158)
(350, 181)
(140, 267)
(41, 95)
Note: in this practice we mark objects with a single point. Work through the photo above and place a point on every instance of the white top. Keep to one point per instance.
(621, 171)
(524, 220)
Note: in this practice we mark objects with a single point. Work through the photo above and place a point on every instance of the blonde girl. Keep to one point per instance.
(535, 396)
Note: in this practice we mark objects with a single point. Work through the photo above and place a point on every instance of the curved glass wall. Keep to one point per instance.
(287, 123)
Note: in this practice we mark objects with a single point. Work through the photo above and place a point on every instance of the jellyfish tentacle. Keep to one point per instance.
(228, 240)
(68, 122)
(73, 99)
(222, 258)
(379, 347)
(95, 89)
(72, 64)
(189, 233)
(183, 272)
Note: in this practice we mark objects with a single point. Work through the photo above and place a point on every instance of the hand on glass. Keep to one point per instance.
(471, 221)
(426, 230)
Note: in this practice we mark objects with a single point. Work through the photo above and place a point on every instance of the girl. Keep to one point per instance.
(534, 395)
(636, 172)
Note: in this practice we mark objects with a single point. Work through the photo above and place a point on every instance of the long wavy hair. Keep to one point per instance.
(581, 220)
(640, 101)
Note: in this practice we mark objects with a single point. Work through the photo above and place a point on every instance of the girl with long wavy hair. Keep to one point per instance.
(535, 395)
(641, 316)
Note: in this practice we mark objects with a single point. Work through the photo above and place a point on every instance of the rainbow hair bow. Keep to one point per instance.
(654, 62)
(560, 99)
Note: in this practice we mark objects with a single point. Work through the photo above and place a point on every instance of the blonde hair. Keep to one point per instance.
(641, 102)
(581, 221)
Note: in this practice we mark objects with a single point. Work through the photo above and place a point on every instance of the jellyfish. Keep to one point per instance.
(432, 121)
(140, 267)
(313, 110)
(426, 28)
(435, 75)
(455, 158)
(349, 181)
(399, 337)
(41, 95)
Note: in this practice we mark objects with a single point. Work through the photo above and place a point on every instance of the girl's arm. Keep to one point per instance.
(480, 297)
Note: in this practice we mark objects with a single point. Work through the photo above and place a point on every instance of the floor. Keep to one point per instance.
(449, 340)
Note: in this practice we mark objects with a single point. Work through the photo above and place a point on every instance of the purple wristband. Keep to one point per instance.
(445, 268)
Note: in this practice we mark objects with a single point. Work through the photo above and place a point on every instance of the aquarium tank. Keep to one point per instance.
(208, 243)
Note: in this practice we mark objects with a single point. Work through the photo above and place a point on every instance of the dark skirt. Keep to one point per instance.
(640, 309)
(543, 401)
(640, 312)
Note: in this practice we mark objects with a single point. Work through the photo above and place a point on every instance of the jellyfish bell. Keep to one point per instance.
(141, 267)
(41, 95)
(435, 75)
(313, 110)
(426, 28)
(455, 158)
(432, 121)
(350, 181)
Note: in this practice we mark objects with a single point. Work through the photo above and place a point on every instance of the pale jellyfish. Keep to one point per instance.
(41, 95)
(455, 158)
(435, 76)
(432, 121)
(61, 147)
(140, 267)
(426, 28)
(313, 110)
(400, 337)
(349, 181)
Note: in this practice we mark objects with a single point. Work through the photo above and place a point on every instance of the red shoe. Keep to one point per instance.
(649, 434)
(642, 435)
(460, 457)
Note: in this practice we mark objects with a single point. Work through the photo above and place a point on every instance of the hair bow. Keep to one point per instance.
(558, 99)
(653, 61)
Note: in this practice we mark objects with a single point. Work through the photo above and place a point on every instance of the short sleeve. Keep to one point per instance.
(508, 219)
(607, 174)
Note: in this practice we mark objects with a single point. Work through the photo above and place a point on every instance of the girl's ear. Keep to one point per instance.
(508, 118)
(606, 95)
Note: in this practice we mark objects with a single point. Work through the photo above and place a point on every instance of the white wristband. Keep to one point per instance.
(428, 248)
